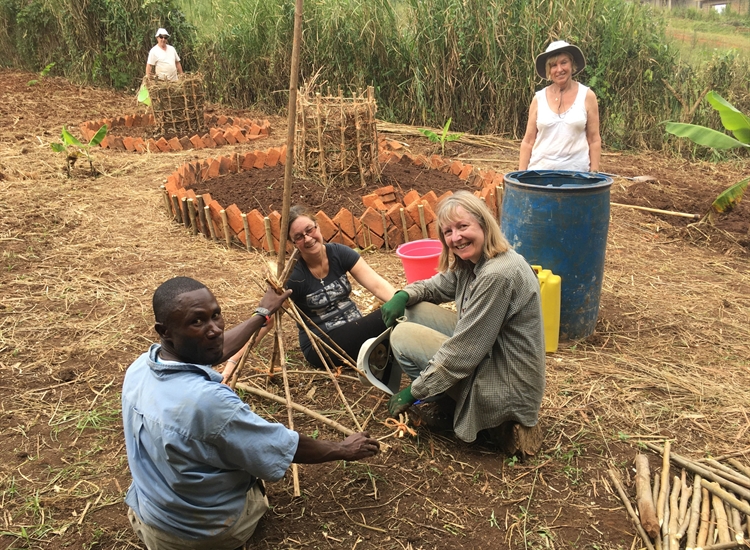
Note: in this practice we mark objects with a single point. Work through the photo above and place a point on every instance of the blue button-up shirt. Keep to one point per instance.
(194, 447)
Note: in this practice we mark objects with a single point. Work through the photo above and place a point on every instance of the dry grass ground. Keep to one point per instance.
(81, 258)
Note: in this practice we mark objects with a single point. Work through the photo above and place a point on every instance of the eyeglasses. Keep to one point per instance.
(301, 236)
(162, 37)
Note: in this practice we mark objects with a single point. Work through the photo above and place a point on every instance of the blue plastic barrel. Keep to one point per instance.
(559, 219)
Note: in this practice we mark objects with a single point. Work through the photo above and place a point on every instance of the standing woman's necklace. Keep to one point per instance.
(561, 114)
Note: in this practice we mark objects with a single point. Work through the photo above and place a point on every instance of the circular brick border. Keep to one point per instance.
(386, 223)
(222, 130)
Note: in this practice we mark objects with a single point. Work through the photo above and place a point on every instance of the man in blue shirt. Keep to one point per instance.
(196, 451)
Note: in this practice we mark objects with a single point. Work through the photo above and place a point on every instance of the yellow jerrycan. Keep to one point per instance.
(550, 284)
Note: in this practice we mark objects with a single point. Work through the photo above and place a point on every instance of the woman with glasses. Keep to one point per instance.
(163, 60)
(321, 288)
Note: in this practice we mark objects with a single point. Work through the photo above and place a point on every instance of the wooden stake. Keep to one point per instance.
(185, 213)
(695, 511)
(674, 514)
(722, 524)
(736, 523)
(342, 127)
(358, 139)
(644, 500)
(626, 501)
(291, 119)
(210, 223)
(685, 493)
(225, 228)
(420, 208)
(201, 211)
(279, 344)
(744, 470)
(403, 224)
(716, 490)
(177, 209)
(728, 473)
(269, 235)
(246, 229)
(321, 148)
(193, 218)
(705, 518)
(661, 503)
(665, 520)
(317, 416)
(371, 125)
(167, 202)
(658, 211)
(655, 496)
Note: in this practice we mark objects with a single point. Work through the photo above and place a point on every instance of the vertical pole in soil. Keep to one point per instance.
(372, 126)
(210, 223)
(191, 213)
(403, 224)
(167, 202)
(302, 152)
(246, 227)
(202, 216)
(177, 210)
(321, 151)
(291, 119)
(185, 213)
(269, 235)
(343, 132)
(225, 227)
(358, 138)
(420, 208)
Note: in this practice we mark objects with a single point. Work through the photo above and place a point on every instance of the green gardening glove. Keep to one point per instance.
(394, 308)
(400, 401)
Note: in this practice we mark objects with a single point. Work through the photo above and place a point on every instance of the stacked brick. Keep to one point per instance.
(386, 222)
(222, 130)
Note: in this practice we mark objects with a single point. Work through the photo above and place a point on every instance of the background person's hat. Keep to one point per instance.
(555, 48)
(381, 370)
(162, 31)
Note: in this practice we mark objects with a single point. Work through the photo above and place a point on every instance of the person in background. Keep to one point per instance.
(197, 453)
(563, 128)
(163, 60)
(321, 288)
(483, 364)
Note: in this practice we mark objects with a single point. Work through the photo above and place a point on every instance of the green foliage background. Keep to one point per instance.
(428, 60)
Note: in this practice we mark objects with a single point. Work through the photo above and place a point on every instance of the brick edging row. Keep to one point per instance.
(385, 222)
(222, 130)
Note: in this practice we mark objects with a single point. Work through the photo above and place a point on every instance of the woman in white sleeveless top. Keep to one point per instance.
(563, 128)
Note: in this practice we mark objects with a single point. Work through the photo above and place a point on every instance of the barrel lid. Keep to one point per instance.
(568, 179)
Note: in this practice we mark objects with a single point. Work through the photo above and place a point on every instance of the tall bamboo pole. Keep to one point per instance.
(291, 120)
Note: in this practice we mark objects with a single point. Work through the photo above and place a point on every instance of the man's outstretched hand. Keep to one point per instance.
(272, 301)
(360, 445)
(400, 401)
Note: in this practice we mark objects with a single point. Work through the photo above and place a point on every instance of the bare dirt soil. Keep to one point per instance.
(81, 257)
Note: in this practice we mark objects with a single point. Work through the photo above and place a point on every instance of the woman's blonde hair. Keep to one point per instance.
(553, 59)
(494, 241)
(297, 211)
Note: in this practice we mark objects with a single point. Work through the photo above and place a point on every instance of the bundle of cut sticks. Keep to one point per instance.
(711, 512)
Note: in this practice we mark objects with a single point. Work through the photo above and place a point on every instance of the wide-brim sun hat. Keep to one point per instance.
(556, 48)
(162, 31)
(378, 365)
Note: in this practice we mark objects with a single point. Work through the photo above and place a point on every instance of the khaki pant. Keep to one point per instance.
(256, 505)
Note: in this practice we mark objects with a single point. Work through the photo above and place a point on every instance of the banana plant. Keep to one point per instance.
(733, 121)
(441, 138)
(74, 149)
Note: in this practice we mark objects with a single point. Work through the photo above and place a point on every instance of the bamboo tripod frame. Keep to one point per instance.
(337, 138)
(177, 106)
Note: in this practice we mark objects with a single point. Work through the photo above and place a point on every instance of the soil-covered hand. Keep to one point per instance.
(272, 301)
(400, 401)
(358, 446)
(394, 308)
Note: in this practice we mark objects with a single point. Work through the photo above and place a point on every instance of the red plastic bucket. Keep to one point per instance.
(420, 258)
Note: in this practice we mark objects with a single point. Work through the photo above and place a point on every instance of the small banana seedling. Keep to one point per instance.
(74, 149)
(42, 74)
(442, 137)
